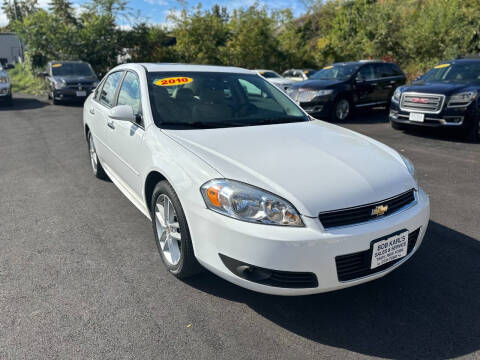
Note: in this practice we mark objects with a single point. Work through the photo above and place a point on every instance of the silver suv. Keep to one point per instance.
(5, 88)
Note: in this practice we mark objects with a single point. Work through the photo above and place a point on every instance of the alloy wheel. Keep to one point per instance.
(93, 154)
(168, 230)
(342, 109)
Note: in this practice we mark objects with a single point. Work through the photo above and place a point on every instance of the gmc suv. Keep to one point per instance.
(446, 96)
(335, 90)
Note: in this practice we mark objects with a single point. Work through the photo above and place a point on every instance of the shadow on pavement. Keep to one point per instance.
(24, 103)
(428, 308)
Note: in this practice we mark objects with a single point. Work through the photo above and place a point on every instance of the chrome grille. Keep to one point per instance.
(424, 103)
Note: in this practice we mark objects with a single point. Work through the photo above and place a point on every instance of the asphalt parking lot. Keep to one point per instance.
(80, 276)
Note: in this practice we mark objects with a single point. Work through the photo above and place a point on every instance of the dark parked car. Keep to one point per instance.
(335, 90)
(446, 96)
(70, 80)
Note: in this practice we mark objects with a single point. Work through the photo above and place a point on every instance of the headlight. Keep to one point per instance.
(324, 92)
(396, 95)
(59, 85)
(248, 203)
(410, 167)
(462, 98)
(309, 95)
(3, 80)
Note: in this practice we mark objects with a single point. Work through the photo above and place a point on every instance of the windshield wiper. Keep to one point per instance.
(280, 120)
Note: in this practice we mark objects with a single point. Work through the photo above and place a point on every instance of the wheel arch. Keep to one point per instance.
(152, 179)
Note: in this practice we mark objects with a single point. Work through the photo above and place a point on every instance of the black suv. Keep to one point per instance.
(70, 80)
(446, 96)
(335, 90)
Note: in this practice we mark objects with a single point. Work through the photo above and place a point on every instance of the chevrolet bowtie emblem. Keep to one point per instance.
(380, 210)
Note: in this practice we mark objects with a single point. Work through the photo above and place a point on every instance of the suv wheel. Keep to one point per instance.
(171, 232)
(473, 133)
(341, 110)
(397, 126)
(94, 161)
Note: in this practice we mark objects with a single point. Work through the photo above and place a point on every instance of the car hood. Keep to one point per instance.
(444, 87)
(318, 84)
(315, 165)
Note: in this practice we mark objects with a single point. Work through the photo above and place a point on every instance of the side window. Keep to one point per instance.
(250, 89)
(298, 74)
(107, 93)
(382, 71)
(366, 72)
(130, 93)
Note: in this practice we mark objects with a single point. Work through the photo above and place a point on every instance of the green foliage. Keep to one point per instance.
(24, 81)
(414, 33)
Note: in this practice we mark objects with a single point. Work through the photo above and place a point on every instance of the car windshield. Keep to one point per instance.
(336, 71)
(212, 100)
(269, 74)
(455, 71)
(77, 69)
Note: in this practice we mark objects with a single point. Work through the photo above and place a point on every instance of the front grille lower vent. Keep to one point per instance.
(364, 213)
(357, 265)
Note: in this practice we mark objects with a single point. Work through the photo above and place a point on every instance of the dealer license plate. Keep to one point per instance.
(81, 93)
(417, 117)
(390, 249)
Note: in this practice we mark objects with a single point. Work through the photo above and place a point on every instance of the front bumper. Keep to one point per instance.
(448, 117)
(72, 93)
(310, 249)
(5, 90)
(319, 107)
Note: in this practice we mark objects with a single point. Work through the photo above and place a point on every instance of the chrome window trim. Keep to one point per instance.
(407, 109)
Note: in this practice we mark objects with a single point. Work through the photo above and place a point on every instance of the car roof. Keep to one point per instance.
(260, 70)
(159, 67)
(362, 62)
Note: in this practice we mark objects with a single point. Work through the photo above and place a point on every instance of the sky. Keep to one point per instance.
(156, 11)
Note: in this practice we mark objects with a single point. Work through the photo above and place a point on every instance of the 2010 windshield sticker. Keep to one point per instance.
(441, 66)
(327, 67)
(173, 81)
(56, 65)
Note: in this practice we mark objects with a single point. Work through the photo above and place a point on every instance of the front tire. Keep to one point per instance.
(342, 109)
(397, 126)
(171, 232)
(97, 168)
(473, 133)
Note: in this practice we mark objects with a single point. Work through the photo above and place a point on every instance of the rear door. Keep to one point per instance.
(365, 85)
(388, 78)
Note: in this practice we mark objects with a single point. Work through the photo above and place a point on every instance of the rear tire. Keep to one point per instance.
(171, 232)
(97, 168)
(9, 101)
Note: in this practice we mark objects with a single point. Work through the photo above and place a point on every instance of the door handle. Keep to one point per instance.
(92, 111)
(110, 124)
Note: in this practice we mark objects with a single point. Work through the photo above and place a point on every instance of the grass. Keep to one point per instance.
(24, 81)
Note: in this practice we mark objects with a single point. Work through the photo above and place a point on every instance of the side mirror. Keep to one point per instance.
(122, 113)
(44, 74)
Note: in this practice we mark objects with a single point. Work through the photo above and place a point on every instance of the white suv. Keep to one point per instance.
(5, 88)
(237, 178)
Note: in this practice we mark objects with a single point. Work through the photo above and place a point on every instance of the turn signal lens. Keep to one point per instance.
(248, 203)
(212, 194)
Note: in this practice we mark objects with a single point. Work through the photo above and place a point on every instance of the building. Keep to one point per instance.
(11, 49)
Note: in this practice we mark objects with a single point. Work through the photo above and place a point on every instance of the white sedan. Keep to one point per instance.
(240, 180)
